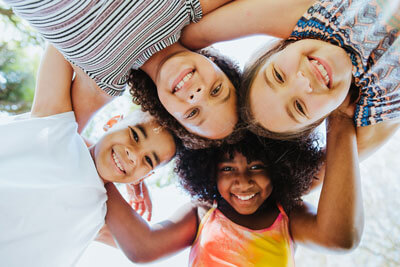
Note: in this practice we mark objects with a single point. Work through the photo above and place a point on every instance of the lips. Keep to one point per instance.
(117, 162)
(244, 198)
(180, 81)
(322, 70)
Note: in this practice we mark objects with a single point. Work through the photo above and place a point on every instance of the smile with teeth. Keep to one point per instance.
(321, 70)
(244, 197)
(116, 161)
(182, 82)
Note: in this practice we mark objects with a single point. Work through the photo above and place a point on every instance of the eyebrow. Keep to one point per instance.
(228, 96)
(200, 122)
(142, 130)
(226, 160)
(269, 83)
(156, 158)
(291, 115)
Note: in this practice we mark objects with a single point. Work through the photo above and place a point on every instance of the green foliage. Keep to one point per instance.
(19, 60)
(17, 78)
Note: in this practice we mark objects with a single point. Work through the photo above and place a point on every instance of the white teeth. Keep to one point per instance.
(182, 82)
(245, 197)
(322, 70)
(117, 162)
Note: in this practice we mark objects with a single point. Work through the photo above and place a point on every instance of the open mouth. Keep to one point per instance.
(325, 74)
(245, 197)
(182, 79)
(117, 162)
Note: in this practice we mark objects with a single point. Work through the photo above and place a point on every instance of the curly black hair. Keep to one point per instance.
(144, 93)
(291, 166)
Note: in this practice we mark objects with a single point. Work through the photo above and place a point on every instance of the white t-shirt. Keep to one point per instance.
(52, 201)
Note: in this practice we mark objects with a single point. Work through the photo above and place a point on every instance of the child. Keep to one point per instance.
(52, 186)
(336, 48)
(259, 214)
(106, 39)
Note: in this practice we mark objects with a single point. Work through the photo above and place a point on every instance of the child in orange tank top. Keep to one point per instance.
(258, 214)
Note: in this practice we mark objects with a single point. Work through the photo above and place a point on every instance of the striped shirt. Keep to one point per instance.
(105, 38)
(369, 31)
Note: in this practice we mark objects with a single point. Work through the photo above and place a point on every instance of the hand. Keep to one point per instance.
(342, 116)
(139, 199)
(346, 109)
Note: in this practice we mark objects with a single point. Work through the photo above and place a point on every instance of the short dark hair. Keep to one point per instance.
(144, 93)
(291, 166)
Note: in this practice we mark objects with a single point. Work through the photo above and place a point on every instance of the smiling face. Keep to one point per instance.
(129, 154)
(300, 85)
(198, 94)
(245, 186)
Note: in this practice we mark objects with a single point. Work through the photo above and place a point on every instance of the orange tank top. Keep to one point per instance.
(221, 242)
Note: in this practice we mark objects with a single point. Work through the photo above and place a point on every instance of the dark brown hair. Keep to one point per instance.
(291, 166)
(144, 93)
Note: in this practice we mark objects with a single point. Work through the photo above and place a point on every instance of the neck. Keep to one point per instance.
(153, 65)
(264, 217)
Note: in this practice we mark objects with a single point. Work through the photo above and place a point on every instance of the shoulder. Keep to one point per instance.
(201, 208)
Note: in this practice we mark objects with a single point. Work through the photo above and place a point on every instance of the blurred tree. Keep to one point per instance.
(19, 59)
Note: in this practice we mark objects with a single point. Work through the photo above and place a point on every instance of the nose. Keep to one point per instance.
(132, 157)
(302, 83)
(243, 182)
(196, 94)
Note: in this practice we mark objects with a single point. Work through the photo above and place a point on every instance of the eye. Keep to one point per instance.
(257, 167)
(216, 90)
(299, 107)
(134, 135)
(278, 77)
(149, 161)
(192, 113)
(227, 169)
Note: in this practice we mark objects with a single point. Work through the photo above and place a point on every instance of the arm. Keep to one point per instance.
(87, 98)
(244, 18)
(53, 86)
(139, 241)
(371, 138)
(105, 236)
(338, 223)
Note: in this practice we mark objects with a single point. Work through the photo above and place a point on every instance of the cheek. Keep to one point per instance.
(320, 106)
(223, 187)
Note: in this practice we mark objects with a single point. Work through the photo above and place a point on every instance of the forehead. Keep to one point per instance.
(156, 140)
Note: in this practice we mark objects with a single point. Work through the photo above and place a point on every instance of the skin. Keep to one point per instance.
(206, 103)
(239, 179)
(134, 151)
(248, 17)
(335, 227)
(138, 149)
(289, 91)
(224, 113)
